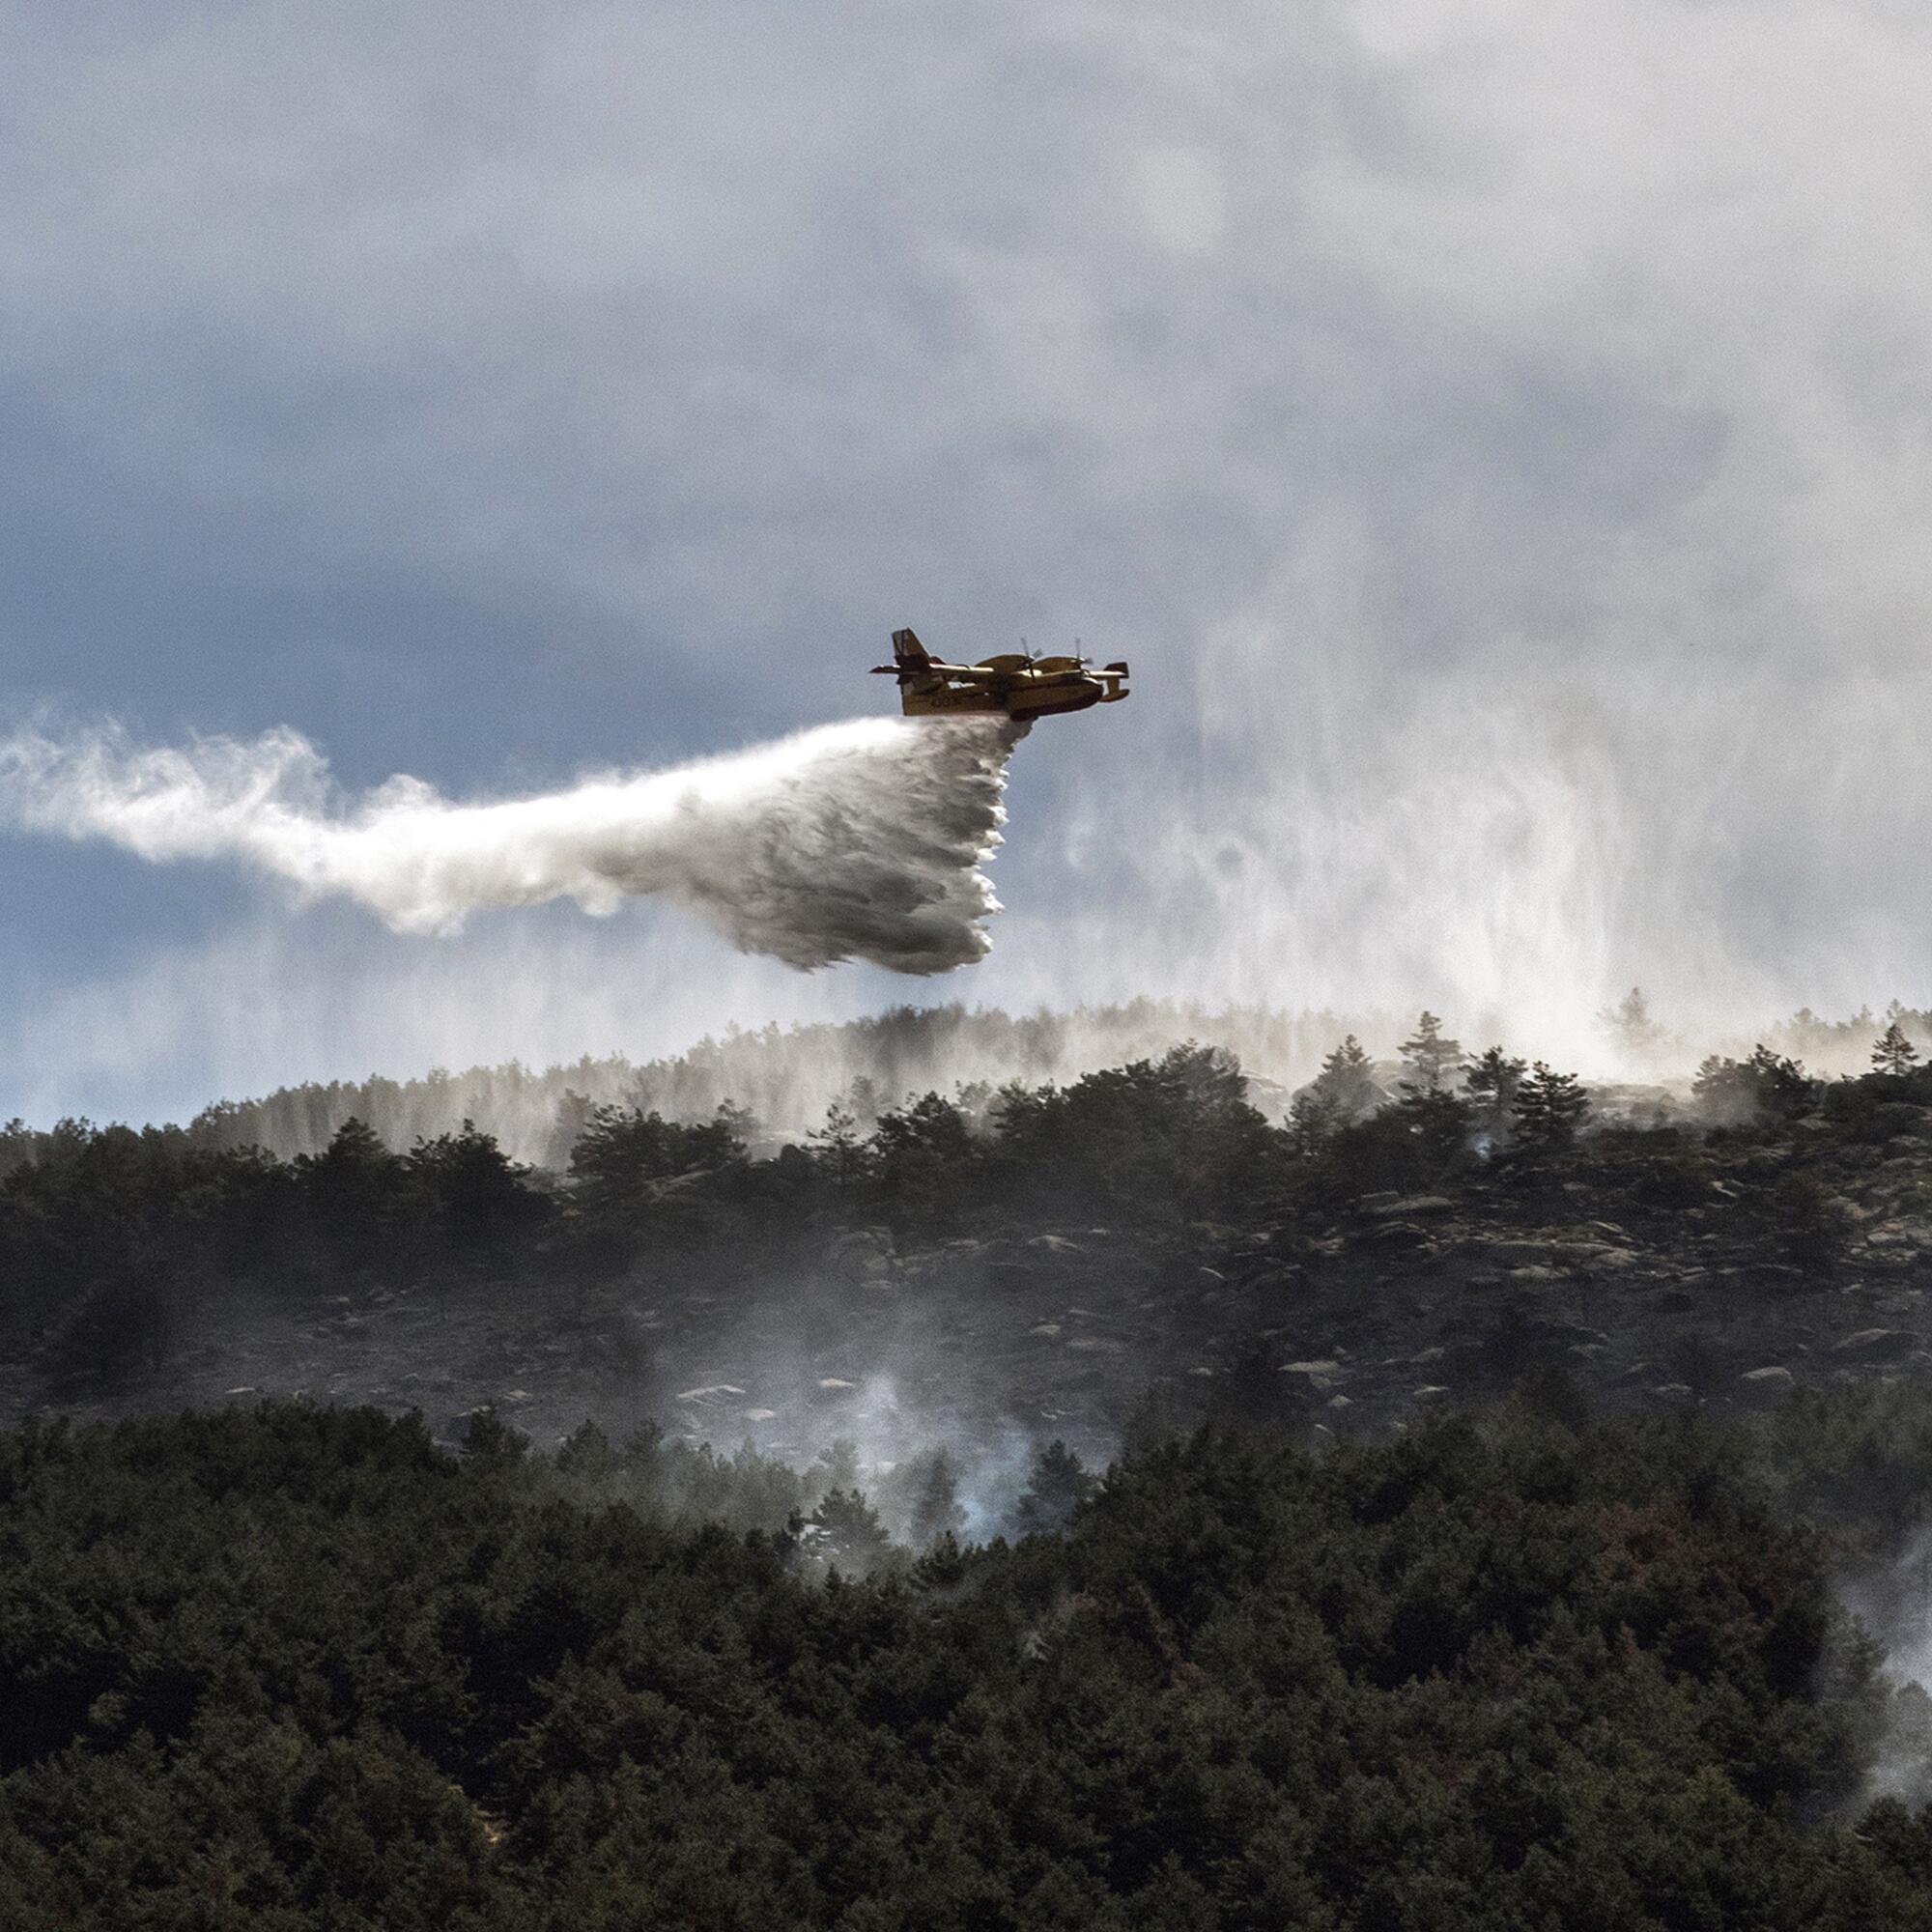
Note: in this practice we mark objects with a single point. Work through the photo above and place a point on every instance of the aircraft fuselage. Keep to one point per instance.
(1013, 686)
(1041, 700)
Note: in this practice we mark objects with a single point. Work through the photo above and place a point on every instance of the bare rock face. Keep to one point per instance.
(1681, 1272)
(1399, 1235)
(1604, 1255)
(1509, 1251)
(1318, 1375)
(1877, 1345)
(862, 1254)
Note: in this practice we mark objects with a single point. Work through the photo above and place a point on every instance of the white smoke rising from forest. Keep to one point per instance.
(861, 840)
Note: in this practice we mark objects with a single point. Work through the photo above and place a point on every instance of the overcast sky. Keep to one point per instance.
(1497, 433)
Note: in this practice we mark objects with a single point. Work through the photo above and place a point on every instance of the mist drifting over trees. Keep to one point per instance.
(1437, 1496)
(784, 1079)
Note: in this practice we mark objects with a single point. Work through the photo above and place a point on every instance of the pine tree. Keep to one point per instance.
(1549, 1108)
(1723, 1090)
(1893, 1052)
(737, 1128)
(1782, 1088)
(480, 1195)
(1494, 1080)
(936, 1511)
(486, 1438)
(1731, 1093)
(1629, 1023)
(863, 1101)
(1060, 1485)
(1347, 1076)
(838, 1148)
(1340, 1094)
(850, 1536)
(1428, 1058)
(838, 1466)
(360, 1200)
(1438, 1123)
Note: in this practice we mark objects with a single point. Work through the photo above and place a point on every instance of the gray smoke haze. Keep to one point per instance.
(1893, 1602)
(862, 841)
(1499, 435)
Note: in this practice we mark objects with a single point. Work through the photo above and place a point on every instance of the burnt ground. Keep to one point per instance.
(1648, 1268)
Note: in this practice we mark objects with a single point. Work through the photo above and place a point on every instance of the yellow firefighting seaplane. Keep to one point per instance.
(1018, 686)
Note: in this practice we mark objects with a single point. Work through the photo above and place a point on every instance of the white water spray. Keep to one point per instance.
(862, 841)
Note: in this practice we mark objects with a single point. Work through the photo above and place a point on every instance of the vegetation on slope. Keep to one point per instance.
(296, 1667)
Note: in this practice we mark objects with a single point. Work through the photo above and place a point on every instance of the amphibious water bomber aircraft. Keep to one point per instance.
(1018, 685)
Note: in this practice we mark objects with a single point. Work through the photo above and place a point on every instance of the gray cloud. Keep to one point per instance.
(1497, 433)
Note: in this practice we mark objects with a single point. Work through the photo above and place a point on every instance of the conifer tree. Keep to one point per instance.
(1722, 1091)
(1731, 1093)
(1343, 1092)
(936, 1511)
(850, 1536)
(1494, 1080)
(1893, 1052)
(1549, 1108)
(1782, 1087)
(1629, 1023)
(838, 1466)
(1429, 1058)
(838, 1148)
(1348, 1077)
(1060, 1485)
(1437, 1123)
(1491, 1084)
(480, 1196)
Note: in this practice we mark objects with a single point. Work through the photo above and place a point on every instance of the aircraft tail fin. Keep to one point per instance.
(909, 652)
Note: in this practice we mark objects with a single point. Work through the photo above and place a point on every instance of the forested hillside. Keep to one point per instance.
(782, 1081)
(706, 1538)
(296, 1667)
(1029, 1260)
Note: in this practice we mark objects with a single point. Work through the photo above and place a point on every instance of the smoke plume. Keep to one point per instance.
(862, 841)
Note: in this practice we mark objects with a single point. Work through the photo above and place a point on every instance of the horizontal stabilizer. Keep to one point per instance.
(1121, 667)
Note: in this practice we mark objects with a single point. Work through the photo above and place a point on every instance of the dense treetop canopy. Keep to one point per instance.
(296, 1667)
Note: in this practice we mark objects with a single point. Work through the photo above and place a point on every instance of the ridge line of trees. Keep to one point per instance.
(106, 1231)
